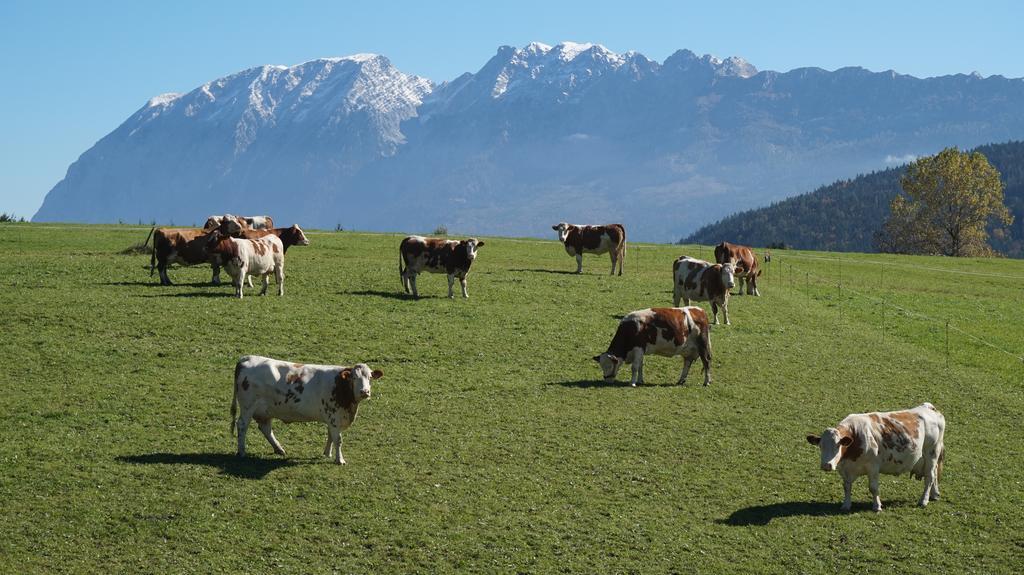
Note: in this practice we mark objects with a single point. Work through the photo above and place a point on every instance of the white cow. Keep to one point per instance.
(892, 442)
(258, 257)
(267, 389)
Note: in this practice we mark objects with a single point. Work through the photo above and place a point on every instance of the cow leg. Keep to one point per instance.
(847, 492)
(279, 278)
(676, 294)
(752, 287)
(215, 264)
(243, 427)
(335, 437)
(739, 284)
(938, 473)
(686, 301)
(638, 368)
(931, 483)
(714, 312)
(579, 263)
(162, 268)
(248, 280)
(269, 434)
(615, 259)
(686, 370)
(725, 309)
(462, 281)
(330, 443)
(412, 281)
(873, 486)
(622, 256)
(451, 283)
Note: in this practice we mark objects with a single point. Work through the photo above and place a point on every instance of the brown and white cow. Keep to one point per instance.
(579, 240)
(665, 331)
(267, 389)
(242, 257)
(747, 267)
(436, 255)
(699, 280)
(186, 246)
(248, 222)
(892, 442)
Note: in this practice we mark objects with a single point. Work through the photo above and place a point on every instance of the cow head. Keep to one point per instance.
(831, 443)
(728, 275)
(563, 231)
(359, 378)
(294, 236)
(610, 365)
(471, 246)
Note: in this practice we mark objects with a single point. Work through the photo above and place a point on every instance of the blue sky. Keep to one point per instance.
(73, 71)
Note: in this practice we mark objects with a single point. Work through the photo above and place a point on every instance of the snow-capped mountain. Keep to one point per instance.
(539, 134)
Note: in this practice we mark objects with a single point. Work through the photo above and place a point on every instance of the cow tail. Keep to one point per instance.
(705, 342)
(234, 398)
(151, 230)
(622, 248)
(152, 256)
(401, 272)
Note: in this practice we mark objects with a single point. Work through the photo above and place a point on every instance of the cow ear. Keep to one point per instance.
(376, 374)
(346, 374)
(813, 439)
(554, 228)
(479, 243)
(597, 358)
(846, 440)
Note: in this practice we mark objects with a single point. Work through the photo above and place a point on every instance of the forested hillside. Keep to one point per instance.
(845, 215)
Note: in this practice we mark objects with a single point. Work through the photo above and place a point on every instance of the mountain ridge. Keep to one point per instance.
(566, 132)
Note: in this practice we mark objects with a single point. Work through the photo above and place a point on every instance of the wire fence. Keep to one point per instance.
(782, 273)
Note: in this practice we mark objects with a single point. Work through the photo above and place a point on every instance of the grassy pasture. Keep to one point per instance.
(491, 445)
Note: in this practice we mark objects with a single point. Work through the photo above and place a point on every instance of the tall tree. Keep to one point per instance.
(949, 202)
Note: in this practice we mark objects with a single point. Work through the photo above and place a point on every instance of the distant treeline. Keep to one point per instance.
(844, 216)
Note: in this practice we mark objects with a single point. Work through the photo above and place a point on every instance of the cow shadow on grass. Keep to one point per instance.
(541, 271)
(156, 284)
(763, 514)
(589, 383)
(228, 464)
(226, 293)
(386, 294)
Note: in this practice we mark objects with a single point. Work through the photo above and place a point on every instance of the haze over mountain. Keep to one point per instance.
(539, 134)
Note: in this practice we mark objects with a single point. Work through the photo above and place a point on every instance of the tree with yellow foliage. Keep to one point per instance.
(949, 202)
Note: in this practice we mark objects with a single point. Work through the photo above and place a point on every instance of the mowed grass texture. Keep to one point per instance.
(491, 444)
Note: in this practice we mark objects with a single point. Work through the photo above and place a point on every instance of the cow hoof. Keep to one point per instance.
(339, 462)
(876, 508)
(934, 497)
(681, 382)
(845, 507)
(728, 323)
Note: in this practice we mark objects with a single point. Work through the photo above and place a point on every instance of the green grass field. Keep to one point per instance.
(491, 444)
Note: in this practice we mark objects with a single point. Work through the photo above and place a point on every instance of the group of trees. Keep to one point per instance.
(863, 213)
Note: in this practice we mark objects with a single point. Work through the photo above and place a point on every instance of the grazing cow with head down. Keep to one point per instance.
(747, 267)
(267, 389)
(892, 442)
(187, 246)
(579, 240)
(436, 255)
(662, 331)
(242, 257)
(698, 280)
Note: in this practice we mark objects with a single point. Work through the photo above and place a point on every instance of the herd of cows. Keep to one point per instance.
(907, 441)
